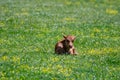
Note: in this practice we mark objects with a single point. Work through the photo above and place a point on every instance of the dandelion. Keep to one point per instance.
(69, 19)
(105, 30)
(22, 14)
(92, 35)
(95, 51)
(46, 70)
(55, 59)
(92, 51)
(5, 58)
(65, 71)
(68, 2)
(96, 30)
(102, 50)
(107, 50)
(105, 37)
(36, 49)
(39, 35)
(2, 74)
(77, 3)
(111, 11)
(16, 59)
(2, 24)
(54, 79)
(25, 13)
(2, 41)
(59, 66)
(25, 66)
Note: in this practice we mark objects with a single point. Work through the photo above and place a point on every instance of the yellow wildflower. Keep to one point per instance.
(59, 66)
(54, 79)
(5, 58)
(102, 50)
(25, 13)
(65, 71)
(36, 49)
(68, 2)
(25, 66)
(16, 59)
(46, 70)
(96, 30)
(2, 24)
(92, 35)
(77, 3)
(111, 11)
(55, 59)
(69, 19)
(2, 74)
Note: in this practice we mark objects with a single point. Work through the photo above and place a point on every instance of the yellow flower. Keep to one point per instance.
(103, 50)
(54, 79)
(111, 11)
(36, 49)
(2, 24)
(92, 35)
(59, 66)
(77, 3)
(2, 41)
(68, 2)
(25, 13)
(55, 59)
(63, 70)
(5, 58)
(39, 35)
(69, 19)
(46, 70)
(2, 74)
(16, 59)
(25, 66)
(106, 30)
(96, 30)
(92, 51)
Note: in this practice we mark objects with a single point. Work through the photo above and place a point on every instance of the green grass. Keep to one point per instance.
(29, 29)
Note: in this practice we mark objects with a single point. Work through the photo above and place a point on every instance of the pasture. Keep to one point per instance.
(29, 30)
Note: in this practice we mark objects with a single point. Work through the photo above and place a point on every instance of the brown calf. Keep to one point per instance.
(65, 46)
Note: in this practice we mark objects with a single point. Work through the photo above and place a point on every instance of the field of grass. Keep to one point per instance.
(29, 30)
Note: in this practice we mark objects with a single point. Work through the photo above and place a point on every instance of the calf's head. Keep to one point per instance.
(69, 41)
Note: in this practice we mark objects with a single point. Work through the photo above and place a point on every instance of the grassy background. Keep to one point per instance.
(29, 29)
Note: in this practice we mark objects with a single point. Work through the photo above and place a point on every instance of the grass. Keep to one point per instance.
(29, 30)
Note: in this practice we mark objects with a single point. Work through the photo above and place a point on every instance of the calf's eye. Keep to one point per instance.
(68, 41)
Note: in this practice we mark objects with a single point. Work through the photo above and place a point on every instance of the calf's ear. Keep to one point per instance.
(64, 36)
(73, 37)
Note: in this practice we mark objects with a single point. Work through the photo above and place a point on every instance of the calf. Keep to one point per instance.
(66, 46)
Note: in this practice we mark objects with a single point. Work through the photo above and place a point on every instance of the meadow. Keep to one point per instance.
(29, 30)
